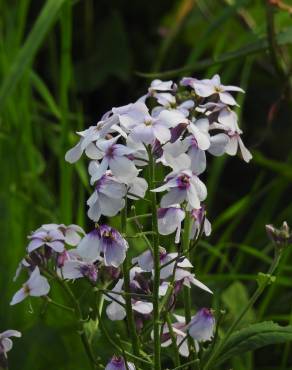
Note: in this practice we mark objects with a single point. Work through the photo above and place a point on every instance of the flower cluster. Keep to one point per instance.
(175, 127)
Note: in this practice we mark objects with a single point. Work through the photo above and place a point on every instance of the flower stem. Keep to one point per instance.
(172, 336)
(186, 290)
(126, 274)
(156, 260)
(249, 304)
(78, 313)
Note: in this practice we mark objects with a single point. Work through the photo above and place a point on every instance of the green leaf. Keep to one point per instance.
(30, 47)
(255, 47)
(253, 337)
(234, 298)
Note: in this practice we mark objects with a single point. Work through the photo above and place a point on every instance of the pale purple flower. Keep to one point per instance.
(225, 115)
(199, 221)
(75, 269)
(236, 142)
(107, 198)
(188, 279)
(197, 156)
(145, 128)
(183, 186)
(72, 233)
(106, 240)
(115, 157)
(116, 311)
(200, 131)
(169, 221)
(207, 87)
(53, 239)
(202, 326)
(91, 136)
(174, 156)
(179, 331)
(145, 262)
(137, 188)
(35, 286)
(5, 341)
(118, 363)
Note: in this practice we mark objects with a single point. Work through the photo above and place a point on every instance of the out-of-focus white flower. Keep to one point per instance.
(6, 343)
(35, 286)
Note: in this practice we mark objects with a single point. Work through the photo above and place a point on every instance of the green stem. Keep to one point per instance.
(156, 262)
(250, 303)
(78, 312)
(126, 274)
(186, 290)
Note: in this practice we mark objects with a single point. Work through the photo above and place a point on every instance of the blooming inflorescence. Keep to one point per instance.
(175, 127)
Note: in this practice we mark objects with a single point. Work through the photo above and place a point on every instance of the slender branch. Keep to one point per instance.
(126, 274)
(156, 260)
(186, 290)
(173, 339)
(237, 321)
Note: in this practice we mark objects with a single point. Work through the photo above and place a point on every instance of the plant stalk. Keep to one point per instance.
(156, 260)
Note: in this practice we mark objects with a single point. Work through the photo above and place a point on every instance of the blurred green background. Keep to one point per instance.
(65, 63)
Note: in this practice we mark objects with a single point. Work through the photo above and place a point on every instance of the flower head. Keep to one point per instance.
(53, 238)
(183, 186)
(106, 240)
(208, 87)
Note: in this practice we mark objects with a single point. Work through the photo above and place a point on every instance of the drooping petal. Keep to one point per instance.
(75, 153)
(19, 296)
(174, 196)
(115, 311)
(123, 168)
(218, 144)
(89, 247)
(145, 308)
(35, 244)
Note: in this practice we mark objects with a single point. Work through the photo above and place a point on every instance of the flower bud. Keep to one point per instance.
(281, 236)
(118, 363)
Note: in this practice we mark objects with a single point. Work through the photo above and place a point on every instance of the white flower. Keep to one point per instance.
(72, 233)
(145, 128)
(90, 136)
(35, 286)
(107, 198)
(208, 87)
(183, 186)
(115, 157)
(169, 221)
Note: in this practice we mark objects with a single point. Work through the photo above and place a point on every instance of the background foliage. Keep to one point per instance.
(63, 64)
